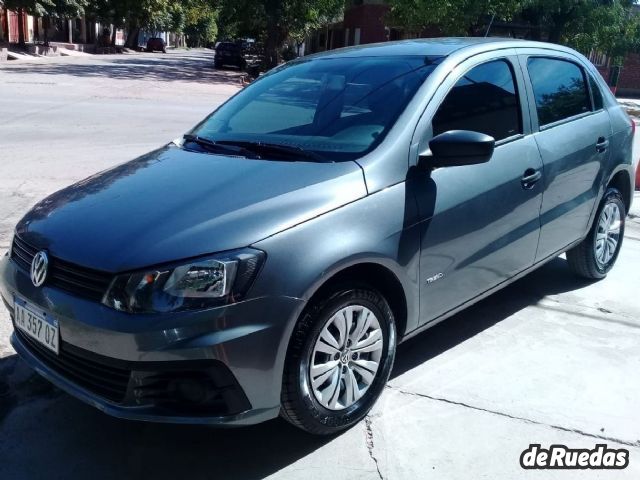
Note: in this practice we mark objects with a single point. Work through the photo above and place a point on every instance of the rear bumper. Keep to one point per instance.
(126, 365)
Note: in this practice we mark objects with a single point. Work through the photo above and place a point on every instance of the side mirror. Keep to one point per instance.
(456, 148)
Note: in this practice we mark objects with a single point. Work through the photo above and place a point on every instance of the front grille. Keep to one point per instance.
(99, 378)
(81, 281)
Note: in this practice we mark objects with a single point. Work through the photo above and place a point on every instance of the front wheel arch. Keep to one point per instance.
(372, 275)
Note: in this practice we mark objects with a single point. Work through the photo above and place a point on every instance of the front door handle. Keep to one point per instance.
(602, 144)
(530, 178)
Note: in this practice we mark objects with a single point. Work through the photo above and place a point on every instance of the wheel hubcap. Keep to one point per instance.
(346, 357)
(608, 234)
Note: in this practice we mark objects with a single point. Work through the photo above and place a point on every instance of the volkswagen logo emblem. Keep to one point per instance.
(39, 268)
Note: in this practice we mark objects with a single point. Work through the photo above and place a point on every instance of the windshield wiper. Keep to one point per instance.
(213, 146)
(290, 152)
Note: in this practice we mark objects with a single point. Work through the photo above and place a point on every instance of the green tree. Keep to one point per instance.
(609, 26)
(200, 22)
(275, 21)
(134, 15)
(452, 17)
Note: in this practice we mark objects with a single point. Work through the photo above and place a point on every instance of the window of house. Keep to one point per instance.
(484, 100)
(559, 89)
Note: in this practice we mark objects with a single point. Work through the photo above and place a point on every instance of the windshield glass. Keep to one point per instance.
(339, 108)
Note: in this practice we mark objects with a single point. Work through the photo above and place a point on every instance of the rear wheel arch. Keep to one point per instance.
(621, 181)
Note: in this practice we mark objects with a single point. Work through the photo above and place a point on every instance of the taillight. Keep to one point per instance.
(633, 127)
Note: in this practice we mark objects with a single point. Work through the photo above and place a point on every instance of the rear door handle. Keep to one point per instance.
(530, 178)
(602, 145)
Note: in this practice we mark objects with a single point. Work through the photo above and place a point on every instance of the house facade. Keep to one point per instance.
(9, 25)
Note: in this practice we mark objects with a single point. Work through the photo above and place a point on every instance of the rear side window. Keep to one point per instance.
(559, 89)
(598, 103)
(484, 100)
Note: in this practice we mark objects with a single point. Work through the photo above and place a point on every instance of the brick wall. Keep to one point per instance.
(630, 75)
(629, 81)
(369, 18)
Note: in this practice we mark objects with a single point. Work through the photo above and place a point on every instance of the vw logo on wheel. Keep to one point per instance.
(39, 268)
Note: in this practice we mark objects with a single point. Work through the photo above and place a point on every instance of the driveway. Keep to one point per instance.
(551, 359)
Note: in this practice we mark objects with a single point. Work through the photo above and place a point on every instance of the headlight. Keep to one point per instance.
(200, 283)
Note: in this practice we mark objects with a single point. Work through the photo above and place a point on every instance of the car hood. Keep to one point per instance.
(173, 204)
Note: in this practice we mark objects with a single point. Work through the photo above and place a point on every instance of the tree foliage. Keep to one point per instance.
(199, 22)
(606, 25)
(276, 21)
(452, 17)
(609, 26)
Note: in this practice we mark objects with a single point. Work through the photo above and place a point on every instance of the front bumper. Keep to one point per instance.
(237, 351)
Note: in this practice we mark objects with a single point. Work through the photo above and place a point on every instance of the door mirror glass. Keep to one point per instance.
(457, 148)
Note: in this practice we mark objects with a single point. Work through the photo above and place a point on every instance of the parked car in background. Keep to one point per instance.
(269, 262)
(230, 54)
(156, 44)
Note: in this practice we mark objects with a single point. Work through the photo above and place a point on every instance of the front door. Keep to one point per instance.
(480, 223)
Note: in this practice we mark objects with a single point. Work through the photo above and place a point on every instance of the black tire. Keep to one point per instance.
(582, 258)
(299, 405)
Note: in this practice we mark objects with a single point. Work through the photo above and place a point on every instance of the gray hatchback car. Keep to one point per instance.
(269, 262)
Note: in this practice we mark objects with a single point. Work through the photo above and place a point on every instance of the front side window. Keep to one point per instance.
(559, 89)
(337, 108)
(484, 100)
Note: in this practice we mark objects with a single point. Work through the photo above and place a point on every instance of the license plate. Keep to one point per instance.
(40, 326)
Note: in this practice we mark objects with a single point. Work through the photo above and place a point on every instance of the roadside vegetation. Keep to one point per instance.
(611, 27)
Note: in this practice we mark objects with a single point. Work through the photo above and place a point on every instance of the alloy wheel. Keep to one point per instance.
(346, 357)
(608, 234)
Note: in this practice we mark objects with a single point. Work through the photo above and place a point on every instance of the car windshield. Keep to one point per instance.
(338, 108)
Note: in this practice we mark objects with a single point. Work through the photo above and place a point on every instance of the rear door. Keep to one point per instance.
(480, 223)
(573, 132)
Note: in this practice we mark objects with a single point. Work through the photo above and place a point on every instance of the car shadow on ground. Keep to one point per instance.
(45, 430)
(172, 67)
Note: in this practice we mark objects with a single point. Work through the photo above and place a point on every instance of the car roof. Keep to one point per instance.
(443, 46)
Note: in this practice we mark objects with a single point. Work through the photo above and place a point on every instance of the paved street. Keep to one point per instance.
(551, 360)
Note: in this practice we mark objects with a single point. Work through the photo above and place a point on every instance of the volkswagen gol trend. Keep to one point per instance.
(270, 261)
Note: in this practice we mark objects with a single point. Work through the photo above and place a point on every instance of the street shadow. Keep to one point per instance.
(190, 67)
(45, 430)
(71, 440)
